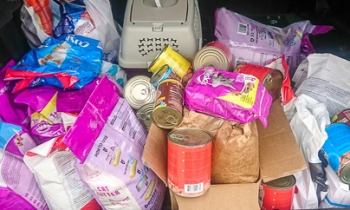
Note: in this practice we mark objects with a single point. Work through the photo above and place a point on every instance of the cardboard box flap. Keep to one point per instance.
(157, 146)
(243, 196)
(279, 152)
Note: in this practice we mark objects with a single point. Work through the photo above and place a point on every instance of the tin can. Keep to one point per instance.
(343, 116)
(168, 106)
(336, 150)
(180, 65)
(271, 78)
(278, 194)
(144, 114)
(215, 54)
(139, 91)
(189, 161)
(163, 73)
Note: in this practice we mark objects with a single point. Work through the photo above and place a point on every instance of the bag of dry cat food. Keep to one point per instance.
(235, 157)
(69, 62)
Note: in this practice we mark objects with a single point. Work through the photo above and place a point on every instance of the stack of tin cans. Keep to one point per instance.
(159, 99)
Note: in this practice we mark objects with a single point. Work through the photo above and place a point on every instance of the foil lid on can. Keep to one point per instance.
(211, 56)
(190, 137)
(139, 91)
(282, 183)
(144, 114)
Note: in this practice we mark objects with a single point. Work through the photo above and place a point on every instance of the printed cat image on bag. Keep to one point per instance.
(57, 56)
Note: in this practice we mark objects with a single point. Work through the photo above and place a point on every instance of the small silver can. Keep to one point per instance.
(139, 91)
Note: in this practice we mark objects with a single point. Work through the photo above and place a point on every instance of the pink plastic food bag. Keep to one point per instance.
(229, 95)
(257, 43)
(10, 112)
(108, 139)
(17, 177)
(15, 139)
(9, 200)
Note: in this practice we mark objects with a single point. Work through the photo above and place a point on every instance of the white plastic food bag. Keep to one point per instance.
(101, 13)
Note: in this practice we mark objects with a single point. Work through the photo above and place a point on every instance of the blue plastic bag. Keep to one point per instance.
(69, 62)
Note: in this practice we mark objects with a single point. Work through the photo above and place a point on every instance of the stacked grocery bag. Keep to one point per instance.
(76, 130)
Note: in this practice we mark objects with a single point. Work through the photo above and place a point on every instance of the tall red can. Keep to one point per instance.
(278, 194)
(189, 161)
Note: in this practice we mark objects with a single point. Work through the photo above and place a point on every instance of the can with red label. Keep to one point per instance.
(343, 116)
(271, 78)
(215, 54)
(189, 161)
(278, 194)
(167, 112)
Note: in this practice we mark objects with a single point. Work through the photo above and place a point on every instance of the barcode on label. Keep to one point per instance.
(242, 28)
(194, 188)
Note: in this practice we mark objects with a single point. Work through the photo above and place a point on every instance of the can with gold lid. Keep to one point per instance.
(168, 105)
(271, 78)
(139, 91)
(277, 194)
(189, 161)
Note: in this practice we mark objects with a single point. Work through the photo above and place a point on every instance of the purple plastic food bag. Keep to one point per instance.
(229, 95)
(108, 140)
(10, 112)
(45, 122)
(15, 139)
(9, 200)
(257, 43)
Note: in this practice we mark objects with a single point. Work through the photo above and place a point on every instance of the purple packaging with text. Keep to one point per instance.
(229, 95)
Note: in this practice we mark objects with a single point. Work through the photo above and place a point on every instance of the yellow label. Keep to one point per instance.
(178, 63)
(246, 97)
(48, 113)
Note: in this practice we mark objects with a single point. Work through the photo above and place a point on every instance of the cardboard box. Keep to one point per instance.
(279, 156)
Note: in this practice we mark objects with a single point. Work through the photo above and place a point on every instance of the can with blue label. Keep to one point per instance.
(336, 150)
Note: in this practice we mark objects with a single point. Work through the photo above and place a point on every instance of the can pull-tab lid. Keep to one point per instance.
(177, 137)
(158, 3)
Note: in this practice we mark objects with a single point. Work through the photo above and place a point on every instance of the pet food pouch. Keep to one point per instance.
(257, 43)
(45, 121)
(10, 112)
(229, 95)
(108, 140)
(15, 139)
(53, 167)
(78, 97)
(70, 62)
(15, 176)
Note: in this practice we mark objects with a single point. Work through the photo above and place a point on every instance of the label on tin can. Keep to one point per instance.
(189, 161)
(168, 106)
(277, 194)
(165, 72)
(343, 116)
(214, 54)
(179, 64)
